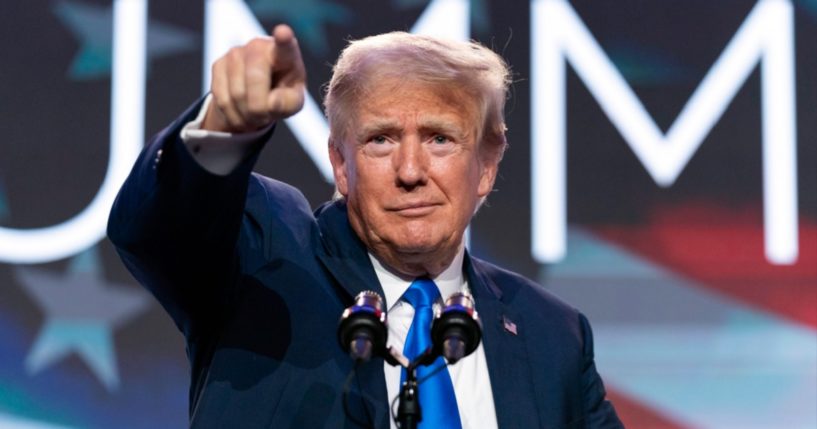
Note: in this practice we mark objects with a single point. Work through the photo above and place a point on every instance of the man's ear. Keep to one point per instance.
(338, 166)
(487, 178)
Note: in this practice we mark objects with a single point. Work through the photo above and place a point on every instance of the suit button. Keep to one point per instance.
(157, 159)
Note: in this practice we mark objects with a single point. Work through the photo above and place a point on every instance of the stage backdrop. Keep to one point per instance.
(661, 177)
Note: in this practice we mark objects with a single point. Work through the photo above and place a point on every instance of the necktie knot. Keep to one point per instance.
(422, 293)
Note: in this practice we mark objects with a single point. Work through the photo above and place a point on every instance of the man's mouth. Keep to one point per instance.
(415, 209)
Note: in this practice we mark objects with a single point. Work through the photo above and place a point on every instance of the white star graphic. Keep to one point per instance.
(92, 25)
(82, 311)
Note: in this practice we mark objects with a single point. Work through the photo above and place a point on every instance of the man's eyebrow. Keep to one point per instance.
(442, 125)
(377, 126)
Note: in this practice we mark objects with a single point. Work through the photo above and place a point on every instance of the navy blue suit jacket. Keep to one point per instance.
(256, 283)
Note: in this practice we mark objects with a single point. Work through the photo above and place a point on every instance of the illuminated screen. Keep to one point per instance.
(661, 178)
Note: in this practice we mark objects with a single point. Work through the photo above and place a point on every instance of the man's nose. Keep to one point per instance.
(411, 163)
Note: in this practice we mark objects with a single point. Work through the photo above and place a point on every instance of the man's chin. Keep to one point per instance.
(422, 249)
(416, 249)
(415, 258)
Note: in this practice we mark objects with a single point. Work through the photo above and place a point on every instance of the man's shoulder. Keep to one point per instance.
(265, 194)
(279, 214)
(522, 291)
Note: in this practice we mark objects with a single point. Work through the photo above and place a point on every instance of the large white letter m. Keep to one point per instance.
(766, 36)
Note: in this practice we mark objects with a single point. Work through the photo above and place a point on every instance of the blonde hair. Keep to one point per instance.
(469, 66)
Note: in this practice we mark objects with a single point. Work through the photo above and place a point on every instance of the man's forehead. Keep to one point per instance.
(388, 102)
(384, 121)
(426, 102)
(408, 86)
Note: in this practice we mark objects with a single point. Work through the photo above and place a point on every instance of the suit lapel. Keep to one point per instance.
(503, 338)
(346, 259)
(343, 254)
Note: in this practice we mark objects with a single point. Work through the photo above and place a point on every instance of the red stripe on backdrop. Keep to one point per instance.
(635, 415)
(722, 249)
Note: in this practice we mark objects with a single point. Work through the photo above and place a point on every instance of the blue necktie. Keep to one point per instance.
(437, 400)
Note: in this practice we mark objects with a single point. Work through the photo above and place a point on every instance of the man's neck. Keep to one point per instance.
(394, 284)
(409, 267)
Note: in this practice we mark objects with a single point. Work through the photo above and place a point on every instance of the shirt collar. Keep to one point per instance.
(449, 281)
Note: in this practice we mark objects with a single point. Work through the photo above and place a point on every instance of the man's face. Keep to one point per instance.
(411, 173)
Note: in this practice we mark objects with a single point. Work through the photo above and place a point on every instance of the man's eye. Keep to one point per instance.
(378, 139)
(441, 139)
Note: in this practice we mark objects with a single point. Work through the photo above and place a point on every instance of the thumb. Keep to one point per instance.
(284, 102)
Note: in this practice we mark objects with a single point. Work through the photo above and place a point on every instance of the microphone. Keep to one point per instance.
(362, 328)
(456, 331)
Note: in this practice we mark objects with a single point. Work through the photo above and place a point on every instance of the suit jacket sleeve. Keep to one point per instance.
(598, 412)
(176, 226)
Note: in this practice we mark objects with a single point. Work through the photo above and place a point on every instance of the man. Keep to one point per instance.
(256, 282)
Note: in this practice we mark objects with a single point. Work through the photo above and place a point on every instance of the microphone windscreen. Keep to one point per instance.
(456, 331)
(362, 328)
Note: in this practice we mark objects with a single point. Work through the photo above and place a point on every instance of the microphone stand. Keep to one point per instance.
(409, 413)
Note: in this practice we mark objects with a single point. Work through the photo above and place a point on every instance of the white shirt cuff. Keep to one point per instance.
(216, 151)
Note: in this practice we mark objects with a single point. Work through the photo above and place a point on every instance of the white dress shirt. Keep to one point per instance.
(472, 384)
(220, 152)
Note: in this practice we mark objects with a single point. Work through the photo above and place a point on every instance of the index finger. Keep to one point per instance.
(286, 53)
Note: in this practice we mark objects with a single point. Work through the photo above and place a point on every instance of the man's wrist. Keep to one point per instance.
(218, 152)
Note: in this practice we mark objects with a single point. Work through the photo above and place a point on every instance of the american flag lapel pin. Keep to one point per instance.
(509, 325)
